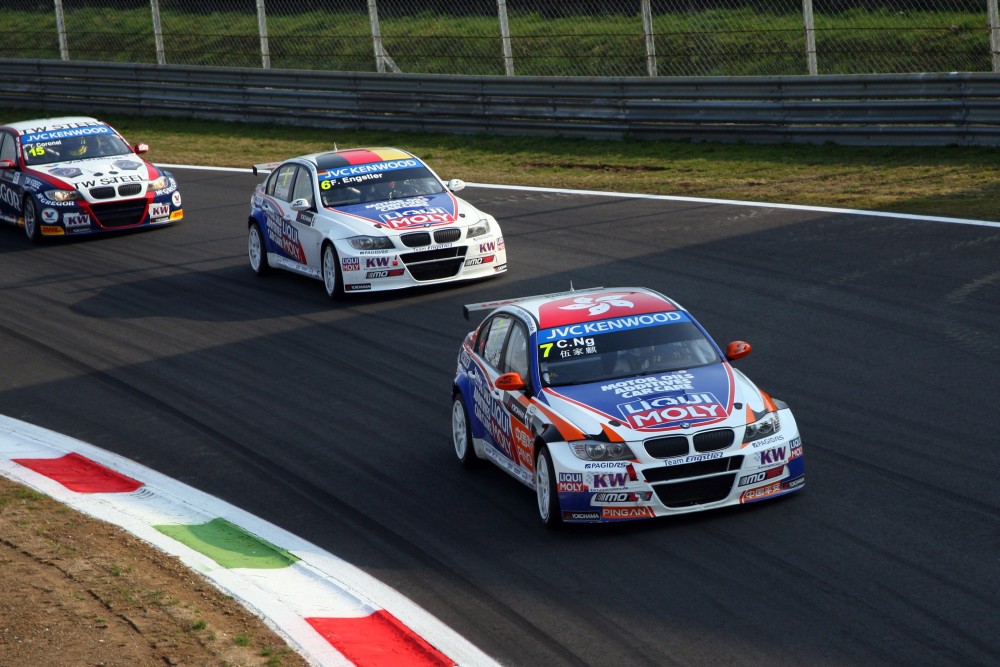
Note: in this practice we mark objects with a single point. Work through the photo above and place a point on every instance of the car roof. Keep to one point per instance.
(40, 124)
(343, 158)
(573, 306)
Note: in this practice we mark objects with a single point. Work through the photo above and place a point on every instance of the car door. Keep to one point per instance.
(310, 237)
(501, 414)
(299, 240)
(10, 187)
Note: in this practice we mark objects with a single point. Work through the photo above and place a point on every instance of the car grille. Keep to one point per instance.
(416, 240)
(667, 447)
(420, 239)
(124, 190)
(677, 445)
(447, 235)
(709, 441)
(120, 213)
(434, 264)
(695, 491)
(695, 469)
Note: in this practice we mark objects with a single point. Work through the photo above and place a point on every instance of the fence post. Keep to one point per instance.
(61, 31)
(161, 56)
(810, 29)
(265, 48)
(376, 37)
(508, 57)
(994, 33)
(647, 26)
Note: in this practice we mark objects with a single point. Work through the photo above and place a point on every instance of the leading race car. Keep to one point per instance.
(76, 175)
(615, 404)
(369, 219)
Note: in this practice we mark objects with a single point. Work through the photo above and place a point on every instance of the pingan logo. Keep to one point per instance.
(626, 513)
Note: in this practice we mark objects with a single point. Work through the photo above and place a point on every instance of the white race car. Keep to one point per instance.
(369, 219)
(76, 175)
(614, 405)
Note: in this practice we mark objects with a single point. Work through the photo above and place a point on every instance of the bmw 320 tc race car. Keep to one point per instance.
(77, 175)
(615, 404)
(369, 219)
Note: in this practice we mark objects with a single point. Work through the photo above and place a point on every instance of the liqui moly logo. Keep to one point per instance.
(669, 411)
(423, 217)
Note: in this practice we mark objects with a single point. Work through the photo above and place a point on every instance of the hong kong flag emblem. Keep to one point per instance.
(599, 306)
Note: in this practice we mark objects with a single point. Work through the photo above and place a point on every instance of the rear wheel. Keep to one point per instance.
(461, 435)
(332, 281)
(546, 490)
(257, 251)
(31, 223)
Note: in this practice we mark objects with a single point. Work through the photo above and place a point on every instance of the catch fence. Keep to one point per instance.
(588, 38)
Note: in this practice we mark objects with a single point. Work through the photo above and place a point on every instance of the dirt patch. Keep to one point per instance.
(77, 591)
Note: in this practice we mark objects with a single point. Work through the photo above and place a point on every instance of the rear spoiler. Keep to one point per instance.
(470, 308)
(265, 168)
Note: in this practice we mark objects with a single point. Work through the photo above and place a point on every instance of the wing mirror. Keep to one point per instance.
(141, 148)
(510, 382)
(455, 184)
(7, 164)
(301, 204)
(737, 350)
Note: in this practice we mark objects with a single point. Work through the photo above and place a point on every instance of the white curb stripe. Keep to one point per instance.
(319, 585)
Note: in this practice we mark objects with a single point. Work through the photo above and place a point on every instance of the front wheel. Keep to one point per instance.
(31, 228)
(257, 250)
(546, 490)
(461, 435)
(332, 281)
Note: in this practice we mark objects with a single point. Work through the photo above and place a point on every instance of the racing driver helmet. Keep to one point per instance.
(80, 149)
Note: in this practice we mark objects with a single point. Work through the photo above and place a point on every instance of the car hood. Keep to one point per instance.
(714, 395)
(93, 177)
(407, 214)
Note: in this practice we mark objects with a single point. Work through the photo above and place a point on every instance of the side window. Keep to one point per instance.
(280, 185)
(7, 149)
(303, 186)
(492, 346)
(515, 359)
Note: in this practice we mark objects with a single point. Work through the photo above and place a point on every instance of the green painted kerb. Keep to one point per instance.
(229, 545)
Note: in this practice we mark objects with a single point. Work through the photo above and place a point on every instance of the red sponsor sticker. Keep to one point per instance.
(760, 492)
(626, 513)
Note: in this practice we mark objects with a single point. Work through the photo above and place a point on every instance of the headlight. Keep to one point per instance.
(370, 242)
(767, 425)
(588, 450)
(62, 195)
(157, 184)
(478, 229)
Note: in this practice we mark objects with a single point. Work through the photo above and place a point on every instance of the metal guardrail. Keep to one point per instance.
(960, 109)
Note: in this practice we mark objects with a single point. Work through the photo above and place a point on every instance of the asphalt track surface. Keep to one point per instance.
(332, 421)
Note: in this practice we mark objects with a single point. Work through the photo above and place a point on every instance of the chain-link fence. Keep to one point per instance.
(600, 38)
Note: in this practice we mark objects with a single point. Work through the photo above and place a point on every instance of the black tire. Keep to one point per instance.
(31, 224)
(257, 251)
(546, 490)
(333, 281)
(461, 434)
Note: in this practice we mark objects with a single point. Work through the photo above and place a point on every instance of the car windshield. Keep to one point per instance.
(568, 359)
(378, 186)
(63, 149)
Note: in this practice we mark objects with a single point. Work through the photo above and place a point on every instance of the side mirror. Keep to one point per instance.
(7, 164)
(301, 204)
(455, 184)
(737, 350)
(510, 382)
(141, 148)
